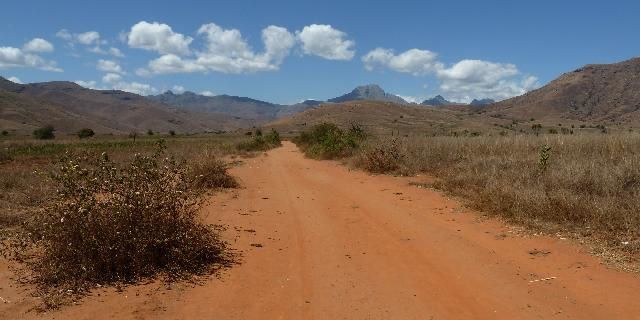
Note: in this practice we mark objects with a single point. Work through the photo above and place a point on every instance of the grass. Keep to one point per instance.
(587, 184)
(128, 209)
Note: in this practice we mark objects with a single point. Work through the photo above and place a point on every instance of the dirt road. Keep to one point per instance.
(322, 242)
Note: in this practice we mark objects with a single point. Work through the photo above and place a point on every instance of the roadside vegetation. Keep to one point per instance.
(76, 214)
(328, 141)
(586, 185)
(260, 142)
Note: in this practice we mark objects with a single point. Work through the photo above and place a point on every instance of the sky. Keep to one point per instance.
(289, 51)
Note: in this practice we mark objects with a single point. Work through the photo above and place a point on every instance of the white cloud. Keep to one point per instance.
(116, 52)
(207, 93)
(142, 89)
(228, 52)
(171, 63)
(178, 89)
(87, 84)
(415, 61)
(413, 99)
(326, 42)
(64, 34)
(11, 57)
(38, 45)
(158, 37)
(88, 38)
(470, 79)
(111, 78)
(110, 66)
(15, 80)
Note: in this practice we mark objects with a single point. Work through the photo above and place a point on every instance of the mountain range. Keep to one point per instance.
(594, 93)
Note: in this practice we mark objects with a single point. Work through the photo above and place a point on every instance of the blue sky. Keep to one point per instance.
(314, 49)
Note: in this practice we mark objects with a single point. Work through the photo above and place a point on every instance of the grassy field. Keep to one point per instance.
(586, 185)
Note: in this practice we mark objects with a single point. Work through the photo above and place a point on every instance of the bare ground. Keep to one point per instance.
(321, 242)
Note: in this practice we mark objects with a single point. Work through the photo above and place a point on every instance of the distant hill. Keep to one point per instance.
(436, 101)
(379, 117)
(238, 107)
(70, 107)
(481, 102)
(595, 93)
(369, 92)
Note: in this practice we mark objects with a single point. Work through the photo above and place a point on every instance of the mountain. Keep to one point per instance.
(482, 102)
(70, 107)
(369, 92)
(597, 92)
(436, 101)
(238, 107)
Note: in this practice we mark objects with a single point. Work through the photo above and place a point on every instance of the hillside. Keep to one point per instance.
(70, 107)
(595, 93)
(234, 106)
(382, 117)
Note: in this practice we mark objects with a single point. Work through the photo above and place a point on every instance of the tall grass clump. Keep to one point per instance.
(112, 223)
(328, 141)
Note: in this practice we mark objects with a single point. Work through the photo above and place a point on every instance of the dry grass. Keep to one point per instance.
(587, 184)
(75, 219)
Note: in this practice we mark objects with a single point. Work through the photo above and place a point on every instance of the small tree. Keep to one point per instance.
(172, 133)
(85, 133)
(133, 135)
(536, 128)
(44, 133)
(149, 132)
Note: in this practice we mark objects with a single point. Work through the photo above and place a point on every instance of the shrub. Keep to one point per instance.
(44, 133)
(328, 141)
(553, 131)
(208, 172)
(258, 132)
(383, 157)
(261, 143)
(85, 133)
(110, 224)
(149, 132)
(172, 133)
(5, 133)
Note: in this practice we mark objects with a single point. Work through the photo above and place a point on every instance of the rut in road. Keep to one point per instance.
(322, 242)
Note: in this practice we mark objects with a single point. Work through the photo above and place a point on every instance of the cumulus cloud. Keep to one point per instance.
(11, 57)
(207, 93)
(228, 52)
(111, 78)
(38, 45)
(142, 89)
(415, 61)
(90, 39)
(324, 41)
(116, 52)
(87, 84)
(158, 37)
(469, 79)
(461, 82)
(110, 66)
(178, 89)
(15, 80)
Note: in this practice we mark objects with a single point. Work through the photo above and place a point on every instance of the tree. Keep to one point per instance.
(85, 133)
(44, 133)
(536, 128)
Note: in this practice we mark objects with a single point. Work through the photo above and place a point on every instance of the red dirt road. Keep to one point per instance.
(322, 242)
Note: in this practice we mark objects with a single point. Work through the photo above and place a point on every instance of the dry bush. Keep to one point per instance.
(589, 184)
(382, 157)
(111, 223)
(328, 141)
(208, 172)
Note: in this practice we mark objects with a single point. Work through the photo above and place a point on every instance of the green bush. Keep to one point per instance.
(44, 133)
(261, 142)
(328, 141)
(85, 133)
